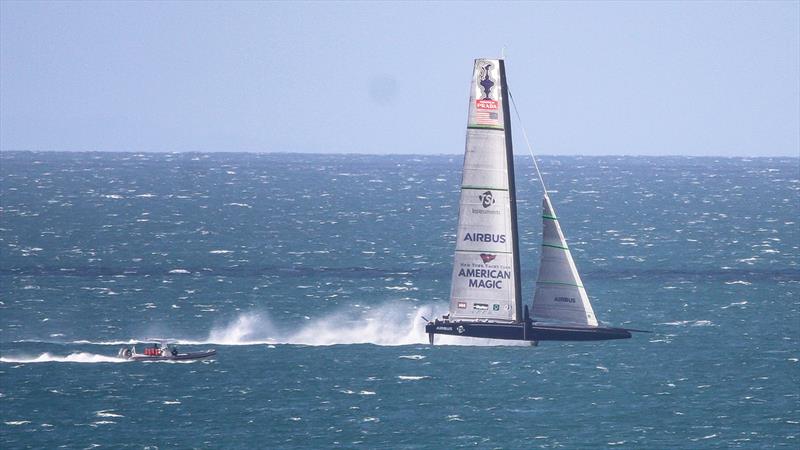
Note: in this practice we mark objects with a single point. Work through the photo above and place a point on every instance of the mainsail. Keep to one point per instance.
(560, 294)
(486, 281)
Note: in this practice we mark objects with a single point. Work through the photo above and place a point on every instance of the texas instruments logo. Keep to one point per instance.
(487, 258)
(486, 199)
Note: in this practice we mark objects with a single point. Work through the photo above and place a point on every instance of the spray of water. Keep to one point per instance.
(390, 324)
(246, 329)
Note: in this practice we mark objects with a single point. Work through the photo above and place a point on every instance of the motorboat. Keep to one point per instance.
(162, 350)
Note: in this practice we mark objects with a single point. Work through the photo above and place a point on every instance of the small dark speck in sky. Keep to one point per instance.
(382, 89)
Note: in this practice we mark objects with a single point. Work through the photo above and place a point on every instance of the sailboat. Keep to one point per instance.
(486, 297)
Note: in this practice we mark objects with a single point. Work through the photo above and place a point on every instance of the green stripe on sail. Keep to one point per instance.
(482, 127)
(555, 246)
(483, 188)
(560, 283)
(545, 216)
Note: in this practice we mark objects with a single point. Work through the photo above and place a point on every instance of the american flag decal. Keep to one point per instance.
(486, 117)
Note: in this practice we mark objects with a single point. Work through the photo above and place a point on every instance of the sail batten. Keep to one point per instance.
(485, 280)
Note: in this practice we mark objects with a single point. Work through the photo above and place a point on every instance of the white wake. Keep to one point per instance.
(79, 357)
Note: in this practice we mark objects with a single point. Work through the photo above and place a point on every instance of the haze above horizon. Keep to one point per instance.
(666, 78)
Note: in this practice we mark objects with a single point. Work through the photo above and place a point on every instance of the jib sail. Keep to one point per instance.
(560, 295)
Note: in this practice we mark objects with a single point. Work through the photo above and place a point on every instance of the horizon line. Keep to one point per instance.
(628, 155)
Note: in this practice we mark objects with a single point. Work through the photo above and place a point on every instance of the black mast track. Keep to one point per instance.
(512, 192)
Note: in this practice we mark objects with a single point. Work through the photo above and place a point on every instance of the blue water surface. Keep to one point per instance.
(310, 275)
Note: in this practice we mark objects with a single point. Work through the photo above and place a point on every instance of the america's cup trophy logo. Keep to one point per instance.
(486, 109)
(486, 82)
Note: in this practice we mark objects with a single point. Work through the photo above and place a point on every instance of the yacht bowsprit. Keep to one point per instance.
(485, 297)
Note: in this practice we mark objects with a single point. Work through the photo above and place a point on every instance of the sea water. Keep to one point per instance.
(311, 275)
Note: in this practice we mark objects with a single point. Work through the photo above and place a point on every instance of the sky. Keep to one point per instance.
(589, 78)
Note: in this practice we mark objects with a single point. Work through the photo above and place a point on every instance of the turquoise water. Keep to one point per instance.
(310, 275)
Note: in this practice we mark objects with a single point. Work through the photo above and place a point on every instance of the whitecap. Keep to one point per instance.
(412, 377)
(694, 323)
(742, 303)
(710, 436)
(414, 357)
